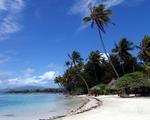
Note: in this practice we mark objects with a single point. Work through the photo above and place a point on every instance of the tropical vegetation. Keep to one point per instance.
(120, 71)
(48, 90)
(134, 83)
(100, 16)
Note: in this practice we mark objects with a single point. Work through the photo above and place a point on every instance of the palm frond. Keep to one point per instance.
(87, 19)
(92, 24)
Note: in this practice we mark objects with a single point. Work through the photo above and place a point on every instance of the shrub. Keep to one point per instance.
(103, 89)
(79, 91)
(147, 69)
(136, 83)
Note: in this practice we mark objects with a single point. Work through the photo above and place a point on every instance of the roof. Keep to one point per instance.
(112, 83)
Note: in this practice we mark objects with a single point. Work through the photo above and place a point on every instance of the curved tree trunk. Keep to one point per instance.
(105, 51)
(88, 90)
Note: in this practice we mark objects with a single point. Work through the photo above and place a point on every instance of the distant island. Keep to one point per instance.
(47, 90)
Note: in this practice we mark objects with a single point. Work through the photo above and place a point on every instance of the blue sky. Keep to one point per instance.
(37, 35)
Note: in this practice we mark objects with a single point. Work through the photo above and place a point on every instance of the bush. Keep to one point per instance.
(100, 89)
(147, 69)
(136, 83)
(79, 91)
(103, 89)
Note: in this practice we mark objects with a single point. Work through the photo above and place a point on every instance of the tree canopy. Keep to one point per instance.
(81, 74)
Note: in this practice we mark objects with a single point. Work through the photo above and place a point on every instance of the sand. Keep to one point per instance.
(116, 108)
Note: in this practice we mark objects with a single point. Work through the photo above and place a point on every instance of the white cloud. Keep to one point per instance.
(7, 80)
(10, 11)
(104, 56)
(111, 3)
(48, 75)
(81, 7)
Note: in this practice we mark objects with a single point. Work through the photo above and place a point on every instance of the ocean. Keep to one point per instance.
(36, 106)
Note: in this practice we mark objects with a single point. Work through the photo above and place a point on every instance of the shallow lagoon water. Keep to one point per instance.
(35, 106)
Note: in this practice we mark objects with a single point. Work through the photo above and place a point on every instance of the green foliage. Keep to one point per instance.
(147, 69)
(49, 90)
(79, 91)
(132, 82)
(122, 52)
(95, 71)
(99, 16)
(82, 75)
(104, 89)
(100, 89)
(144, 53)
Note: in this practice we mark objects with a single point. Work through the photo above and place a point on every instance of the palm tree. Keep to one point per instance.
(122, 49)
(68, 64)
(100, 16)
(60, 80)
(94, 59)
(77, 63)
(145, 49)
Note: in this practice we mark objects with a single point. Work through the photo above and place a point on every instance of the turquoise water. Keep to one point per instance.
(35, 106)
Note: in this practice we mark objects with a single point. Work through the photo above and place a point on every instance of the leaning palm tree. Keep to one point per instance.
(122, 49)
(77, 63)
(100, 16)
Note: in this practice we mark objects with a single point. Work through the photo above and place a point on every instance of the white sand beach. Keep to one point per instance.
(116, 108)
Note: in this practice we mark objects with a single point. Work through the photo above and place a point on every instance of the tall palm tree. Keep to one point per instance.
(100, 16)
(77, 63)
(122, 49)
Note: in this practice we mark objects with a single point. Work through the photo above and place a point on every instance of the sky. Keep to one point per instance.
(37, 35)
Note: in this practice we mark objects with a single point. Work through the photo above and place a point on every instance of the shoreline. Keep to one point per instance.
(105, 107)
(115, 108)
(89, 104)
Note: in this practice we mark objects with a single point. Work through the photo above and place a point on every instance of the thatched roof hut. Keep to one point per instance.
(111, 85)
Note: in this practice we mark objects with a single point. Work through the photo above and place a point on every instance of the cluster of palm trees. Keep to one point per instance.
(121, 51)
(81, 75)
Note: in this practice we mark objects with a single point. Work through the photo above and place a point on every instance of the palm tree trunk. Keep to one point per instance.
(88, 90)
(95, 73)
(122, 68)
(133, 68)
(105, 51)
